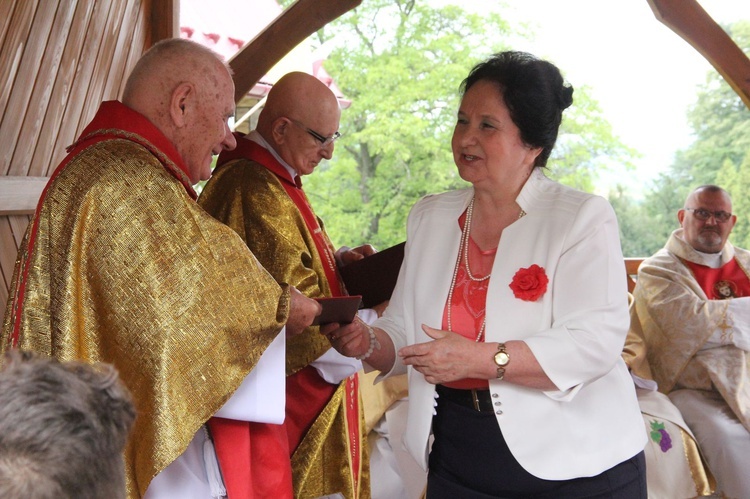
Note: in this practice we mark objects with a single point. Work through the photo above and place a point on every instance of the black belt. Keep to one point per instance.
(479, 400)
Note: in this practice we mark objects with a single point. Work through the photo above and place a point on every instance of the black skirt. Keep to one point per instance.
(470, 460)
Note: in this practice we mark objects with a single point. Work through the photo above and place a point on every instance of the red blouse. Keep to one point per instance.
(469, 301)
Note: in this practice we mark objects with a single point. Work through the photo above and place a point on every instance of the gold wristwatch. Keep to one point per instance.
(502, 359)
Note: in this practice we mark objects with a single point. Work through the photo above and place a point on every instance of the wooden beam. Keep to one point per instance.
(688, 19)
(287, 31)
(165, 21)
(19, 195)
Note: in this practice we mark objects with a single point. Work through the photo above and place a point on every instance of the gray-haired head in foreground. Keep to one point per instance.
(63, 427)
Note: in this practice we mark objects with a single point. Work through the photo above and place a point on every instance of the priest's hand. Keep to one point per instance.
(346, 255)
(302, 312)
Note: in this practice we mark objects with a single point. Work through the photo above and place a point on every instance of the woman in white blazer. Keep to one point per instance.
(509, 313)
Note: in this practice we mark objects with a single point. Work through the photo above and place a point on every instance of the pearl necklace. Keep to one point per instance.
(465, 244)
(464, 248)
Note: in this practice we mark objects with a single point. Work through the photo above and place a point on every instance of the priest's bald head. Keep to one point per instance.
(186, 90)
(300, 121)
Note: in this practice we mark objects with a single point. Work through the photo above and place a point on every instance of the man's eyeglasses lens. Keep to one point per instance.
(324, 141)
(703, 215)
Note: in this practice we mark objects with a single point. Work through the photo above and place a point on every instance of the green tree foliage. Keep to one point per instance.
(720, 121)
(639, 229)
(586, 144)
(720, 154)
(400, 63)
(736, 180)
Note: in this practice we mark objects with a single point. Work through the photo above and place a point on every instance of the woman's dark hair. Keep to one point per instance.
(534, 92)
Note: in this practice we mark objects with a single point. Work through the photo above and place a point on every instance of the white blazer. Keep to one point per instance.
(576, 329)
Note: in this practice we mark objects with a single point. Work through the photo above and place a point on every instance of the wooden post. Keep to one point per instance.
(688, 19)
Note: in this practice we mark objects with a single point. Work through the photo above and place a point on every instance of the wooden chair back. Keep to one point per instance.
(631, 271)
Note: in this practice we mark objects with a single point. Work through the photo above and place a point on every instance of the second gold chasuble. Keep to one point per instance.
(120, 265)
(252, 193)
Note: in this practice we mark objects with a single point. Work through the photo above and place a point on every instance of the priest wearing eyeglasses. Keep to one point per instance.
(693, 303)
(257, 191)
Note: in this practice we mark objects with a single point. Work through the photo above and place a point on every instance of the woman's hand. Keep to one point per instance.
(371, 345)
(350, 340)
(449, 357)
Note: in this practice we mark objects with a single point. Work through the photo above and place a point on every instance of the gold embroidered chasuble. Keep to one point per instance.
(677, 319)
(250, 199)
(121, 265)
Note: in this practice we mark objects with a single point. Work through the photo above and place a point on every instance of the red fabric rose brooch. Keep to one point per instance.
(529, 284)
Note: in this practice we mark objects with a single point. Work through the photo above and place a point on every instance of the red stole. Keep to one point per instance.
(113, 120)
(253, 457)
(307, 392)
(728, 281)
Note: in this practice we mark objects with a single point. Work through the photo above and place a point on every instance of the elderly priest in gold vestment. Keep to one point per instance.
(119, 264)
(257, 190)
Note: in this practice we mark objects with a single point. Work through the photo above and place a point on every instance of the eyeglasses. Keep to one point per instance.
(324, 141)
(703, 214)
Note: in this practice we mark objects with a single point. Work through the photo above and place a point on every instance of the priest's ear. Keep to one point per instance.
(681, 216)
(280, 129)
(182, 102)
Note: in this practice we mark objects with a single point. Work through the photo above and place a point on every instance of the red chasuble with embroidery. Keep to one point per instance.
(728, 281)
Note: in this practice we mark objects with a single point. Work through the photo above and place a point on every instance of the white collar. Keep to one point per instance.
(677, 245)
